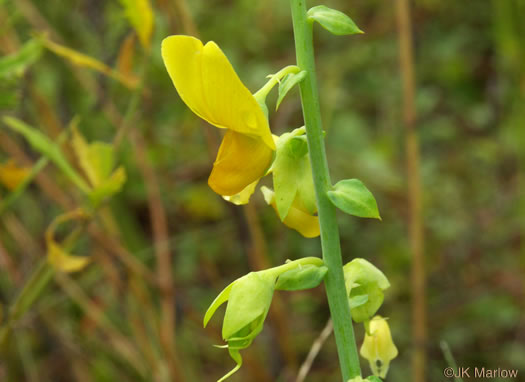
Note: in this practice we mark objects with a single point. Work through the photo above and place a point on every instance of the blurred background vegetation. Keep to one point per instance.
(165, 245)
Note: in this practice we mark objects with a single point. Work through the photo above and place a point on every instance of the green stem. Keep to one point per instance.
(293, 264)
(32, 290)
(274, 80)
(334, 279)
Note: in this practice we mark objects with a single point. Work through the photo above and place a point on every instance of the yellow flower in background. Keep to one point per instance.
(378, 346)
(12, 175)
(208, 84)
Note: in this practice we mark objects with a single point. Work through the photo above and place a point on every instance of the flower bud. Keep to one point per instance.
(364, 284)
(378, 346)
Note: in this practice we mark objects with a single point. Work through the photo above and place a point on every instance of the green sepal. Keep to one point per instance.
(219, 300)
(334, 21)
(248, 303)
(356, 301)
(300, 278)
(363, 278)
(236, 356)
(352, 196)
(363, 271)
(373, 378)
(375, 297)
(287, 84)
(292, 174)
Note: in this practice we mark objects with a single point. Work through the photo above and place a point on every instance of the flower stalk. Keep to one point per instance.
(330, 243)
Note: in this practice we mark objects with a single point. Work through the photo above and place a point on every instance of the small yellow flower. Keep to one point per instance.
(208, 84)
(378, 346)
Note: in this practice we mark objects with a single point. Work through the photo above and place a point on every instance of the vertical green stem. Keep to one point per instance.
(334, 280)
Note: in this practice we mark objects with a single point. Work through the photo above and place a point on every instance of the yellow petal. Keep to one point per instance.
(57, 256)
(208, 84)
(141, 17)
(301, 221)
(378, 346)
(297, 219)
(242, 197)
(64, 261)
(241, 161)
(11, 175)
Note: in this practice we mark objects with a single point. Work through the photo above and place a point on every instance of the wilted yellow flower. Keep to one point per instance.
(11, 175)
(378, 346)
(208, 84)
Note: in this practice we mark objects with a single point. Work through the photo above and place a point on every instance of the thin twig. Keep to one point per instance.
(314, 351)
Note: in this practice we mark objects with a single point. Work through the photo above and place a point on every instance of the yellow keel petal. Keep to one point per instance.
(241, 161)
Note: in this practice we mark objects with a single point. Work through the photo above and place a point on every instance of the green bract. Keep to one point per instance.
(287, 84)
(334, 21)
(364, 284)
(352, 196)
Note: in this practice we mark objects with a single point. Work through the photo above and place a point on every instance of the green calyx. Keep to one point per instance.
(249, 298)
(365, 284)
(292, 174)
(275, 79)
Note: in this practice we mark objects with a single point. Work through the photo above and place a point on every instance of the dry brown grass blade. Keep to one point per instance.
(416, 235)
(121, 344)
(161, 245)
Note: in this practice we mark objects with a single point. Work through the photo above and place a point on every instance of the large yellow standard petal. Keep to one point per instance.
(208, 84)
(241, 161)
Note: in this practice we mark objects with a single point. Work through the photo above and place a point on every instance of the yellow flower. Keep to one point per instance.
(378, 346)
(208, 84)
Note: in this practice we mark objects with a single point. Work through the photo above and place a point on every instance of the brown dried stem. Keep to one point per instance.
(416, 234)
